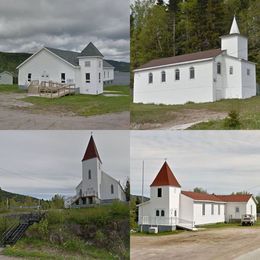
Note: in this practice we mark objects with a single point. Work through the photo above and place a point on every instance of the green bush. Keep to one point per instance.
(233, 120)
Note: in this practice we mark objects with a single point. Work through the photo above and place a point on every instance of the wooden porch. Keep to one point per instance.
(50, 89)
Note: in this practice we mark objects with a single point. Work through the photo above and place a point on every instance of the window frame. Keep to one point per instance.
(162, 213)
(163, 76)
(212, 208)
(89, 174)
(177, 74)
(157, 213)
(159, 192)
(219, 68)
(219, 209)
(112, 189)
(231, 71)
(87, 79)
(192, 72)
(63, 80)
(203, 209)
(29, 77)
(150, 78)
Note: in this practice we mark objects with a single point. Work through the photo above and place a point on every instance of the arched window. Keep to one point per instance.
(162, 213)
(177, 74)
(192, 73)
(219, 68)
(89, 174)
(231, 70)
(112, 189)
(175, 213)
(150, 80)
(163, 76)
(157, 213)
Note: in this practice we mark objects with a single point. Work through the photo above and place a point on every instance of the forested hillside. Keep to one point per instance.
(168, 28)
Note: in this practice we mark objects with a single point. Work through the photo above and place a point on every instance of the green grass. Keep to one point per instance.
(165, 233)
(10, 89)
(249, 110)
(38, 249)
(230, 225)
(84, 105)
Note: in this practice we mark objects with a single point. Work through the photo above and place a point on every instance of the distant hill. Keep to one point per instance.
(9, 61)
(17, 197)
(135, 197)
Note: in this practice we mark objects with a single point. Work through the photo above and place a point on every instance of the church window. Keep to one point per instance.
(89, 174)
(162, 213)
(150, 80)
(203, 209)
(159, 192)
(177, 74)
(192, 73)
(87, 77)
(219, 209)
(157, 213)
(219, 68)
(212, 209)
(99, 77)
(248, 72)
(87, 64)
(63, 78)
(29, 78)
(163, 76)
(104, 74)
(231, 70)
(175, 213)
(112, 189)
(99, 64)
(237, 209)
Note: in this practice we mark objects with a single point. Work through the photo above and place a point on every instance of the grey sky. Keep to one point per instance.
(43, 163)
(218, 161)
(27, 25)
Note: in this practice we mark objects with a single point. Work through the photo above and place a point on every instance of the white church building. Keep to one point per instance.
(87, 70)
(204, 76)
(170, 207)
(96, 186)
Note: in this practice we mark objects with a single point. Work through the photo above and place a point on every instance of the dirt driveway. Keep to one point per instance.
(226, 243)
(14, 116)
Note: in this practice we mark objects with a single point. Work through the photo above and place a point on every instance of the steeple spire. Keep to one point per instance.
(234, 27)
(91, 151)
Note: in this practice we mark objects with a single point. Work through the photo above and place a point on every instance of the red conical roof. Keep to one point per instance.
(165, 177)
(91, 151)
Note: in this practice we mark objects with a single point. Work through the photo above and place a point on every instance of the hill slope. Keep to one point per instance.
(17, 197)
(9, 61)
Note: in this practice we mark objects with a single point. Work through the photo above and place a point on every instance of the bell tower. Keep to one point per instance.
(234, 43)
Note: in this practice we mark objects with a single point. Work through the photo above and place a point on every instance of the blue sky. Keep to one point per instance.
(218, 161)
(43, 163)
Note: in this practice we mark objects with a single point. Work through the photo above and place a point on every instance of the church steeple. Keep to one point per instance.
(234, 27)
(91, 151)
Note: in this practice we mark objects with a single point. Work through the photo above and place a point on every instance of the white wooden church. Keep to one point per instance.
(205, 76)
(87, 70)
(170, 207)
(96, 186)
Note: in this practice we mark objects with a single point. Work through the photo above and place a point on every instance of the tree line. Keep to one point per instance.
(162, 29)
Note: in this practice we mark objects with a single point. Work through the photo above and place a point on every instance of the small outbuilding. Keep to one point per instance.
(6, 78)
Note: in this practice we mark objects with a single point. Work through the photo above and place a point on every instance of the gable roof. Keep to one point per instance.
(165, 177)
(182, 58)
(235, 197)
(91, 151)
(107, 65)
(69, 56)
(201, 196)
(91, 50)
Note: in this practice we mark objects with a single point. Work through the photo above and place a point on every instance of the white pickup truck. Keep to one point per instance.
(247, 219)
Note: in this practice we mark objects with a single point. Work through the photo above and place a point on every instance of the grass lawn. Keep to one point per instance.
(230, 225)
(84, 105)
(38, 249)
(10, 89)
(249, 110)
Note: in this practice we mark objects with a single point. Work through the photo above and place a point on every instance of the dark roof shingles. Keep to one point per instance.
(182, 58)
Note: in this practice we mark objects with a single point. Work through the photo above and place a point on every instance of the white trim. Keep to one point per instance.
(44, 48)
(175, 64)
(84, 57)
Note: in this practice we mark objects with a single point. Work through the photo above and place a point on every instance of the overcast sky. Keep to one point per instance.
(43, 163)
(28, 25)
(218, 161)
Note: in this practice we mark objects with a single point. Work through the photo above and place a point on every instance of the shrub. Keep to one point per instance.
(233, 120)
